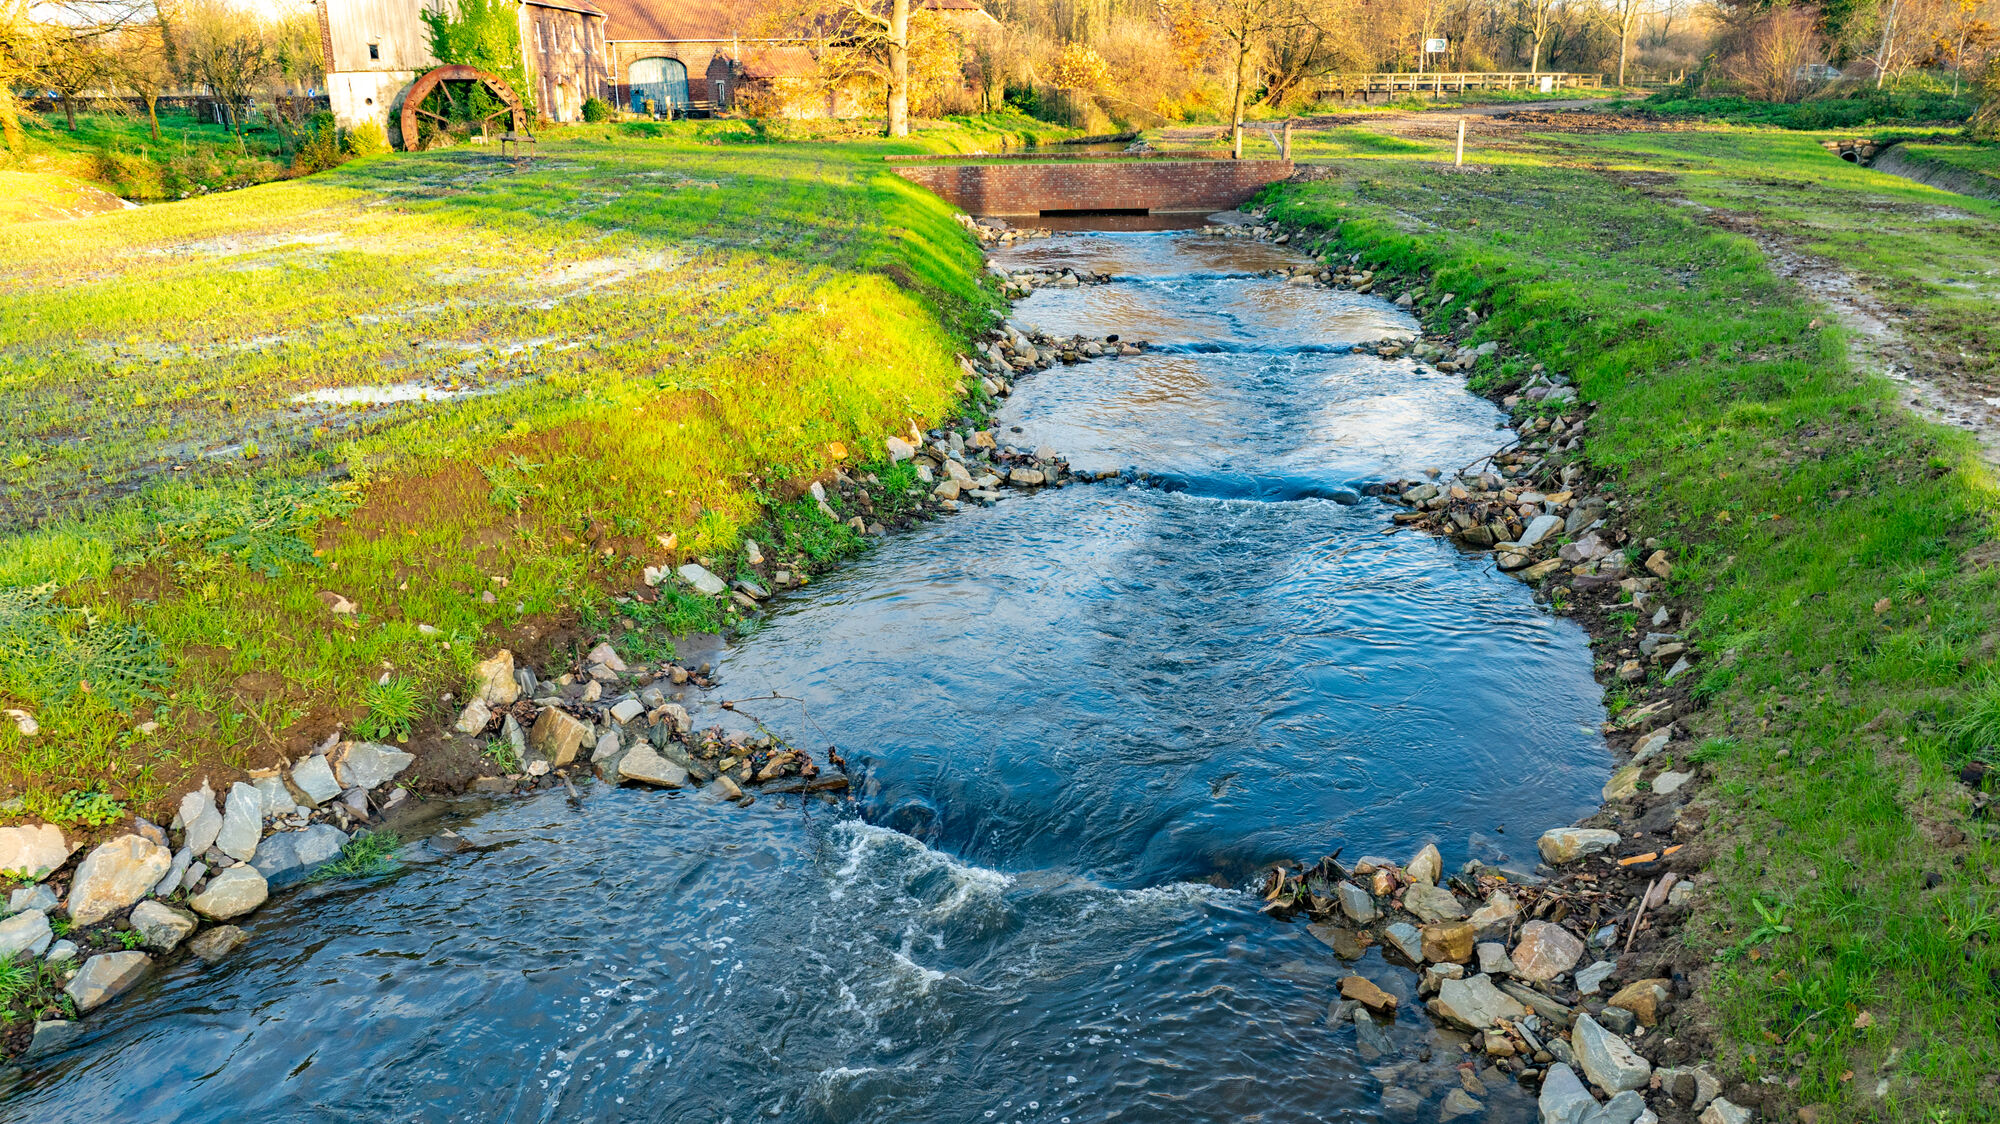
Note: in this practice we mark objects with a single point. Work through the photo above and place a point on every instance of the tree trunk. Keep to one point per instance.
(69, 111)
(1236, 101)
(1625, 37)
(10, 122)
(153, 115)
(1888, 36)
(899, 69)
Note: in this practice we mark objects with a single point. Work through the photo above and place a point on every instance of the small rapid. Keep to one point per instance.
(1081, 721)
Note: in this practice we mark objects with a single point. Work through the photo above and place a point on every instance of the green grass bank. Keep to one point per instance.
(472, 397)
(1840, 557)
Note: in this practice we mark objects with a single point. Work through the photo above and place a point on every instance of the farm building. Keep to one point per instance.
(658, 56)
(711, 52)
(375, 49)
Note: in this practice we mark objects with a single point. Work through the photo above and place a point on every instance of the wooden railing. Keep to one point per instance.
(1437, 83)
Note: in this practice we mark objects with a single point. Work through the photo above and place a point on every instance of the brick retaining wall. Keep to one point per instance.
(1157, 186)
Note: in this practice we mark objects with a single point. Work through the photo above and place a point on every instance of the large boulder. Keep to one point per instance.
(1546, 950)
(242, 823)
(161, 927)
(369, 764)
(104, 977)
(32, 850)
(1610, 1064)
(1474, 1004)
(114, 875)
(233, 892)
(28, 931)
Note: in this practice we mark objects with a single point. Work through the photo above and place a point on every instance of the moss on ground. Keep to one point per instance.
(664, 332)
(1840, 556)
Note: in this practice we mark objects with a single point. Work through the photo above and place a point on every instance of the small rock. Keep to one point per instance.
(1668, 783)
(1606, 1059)
(703, 581)
(1356, 903)
(1590, 980)
(1623, 785)
(1545, 951)
(105, 976)
(314, 779)
(1427, 866)
(1458, 1103)
(1369, 1040)
(1618, 1020)
(232, 893)
(1493, 959)
(1364, 991)
(370, 765)
(212, 945)
(1407, 940)
(627, 710)
(1626, 1108)
(1432, 903)
(473, 718)
(52, 1034)
(161, 927)
(114, 876)
(28, 931)
(285, 855)
(32, 849)
(31, 897)
(1449, 943)
(1658, 564)
(1693, 1087)
(1721, 1111)
(1567, 844)
(1538, 529)
(644, 763)
(899, 450)
(558, 736)
(1643, 999)
(1474, 1003)
(494, 681)
(1498, 910)
(1564, 1100)
(242, 822)
(61, 951)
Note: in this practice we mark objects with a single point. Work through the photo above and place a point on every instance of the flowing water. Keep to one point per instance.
(1085, 718)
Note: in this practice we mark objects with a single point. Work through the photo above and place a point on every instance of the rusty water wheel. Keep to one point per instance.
(435, 80)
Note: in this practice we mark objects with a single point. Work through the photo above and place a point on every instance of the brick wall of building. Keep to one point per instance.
(1159, 186)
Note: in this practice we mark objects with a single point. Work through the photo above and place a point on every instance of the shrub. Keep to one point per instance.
(393, 707)
(370, 139)
(596, 110)
(319, 146)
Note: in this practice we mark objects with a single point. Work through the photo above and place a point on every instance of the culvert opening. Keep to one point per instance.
(1085, 212)
(1851, 156)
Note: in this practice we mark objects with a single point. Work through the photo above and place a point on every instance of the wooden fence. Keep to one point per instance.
(1439, 83)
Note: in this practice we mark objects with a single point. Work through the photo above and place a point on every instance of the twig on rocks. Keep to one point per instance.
(1639, 915)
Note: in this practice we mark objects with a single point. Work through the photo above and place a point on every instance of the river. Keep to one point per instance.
(1084, 718)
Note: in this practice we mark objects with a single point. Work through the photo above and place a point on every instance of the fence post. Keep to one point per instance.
(1458, 161)
(1286, 154)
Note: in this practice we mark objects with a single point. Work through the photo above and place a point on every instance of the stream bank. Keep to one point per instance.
(1079, 721)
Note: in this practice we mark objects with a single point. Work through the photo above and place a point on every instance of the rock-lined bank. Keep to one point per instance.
(1574, 968)
(95, 921)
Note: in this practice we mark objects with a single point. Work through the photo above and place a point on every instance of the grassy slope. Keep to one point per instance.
(1838, 553)
(708, 319)
(118, 153)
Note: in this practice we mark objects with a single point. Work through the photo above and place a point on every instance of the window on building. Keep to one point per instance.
(375, 51)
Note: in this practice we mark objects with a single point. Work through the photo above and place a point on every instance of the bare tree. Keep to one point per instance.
(226, 51)
(1243, 27)
(1534, 19)
(1777, 47)
(142, 62)
(20, 43)
(1628, 15)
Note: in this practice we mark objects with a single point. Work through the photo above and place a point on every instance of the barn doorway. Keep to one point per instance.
(664, 82)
